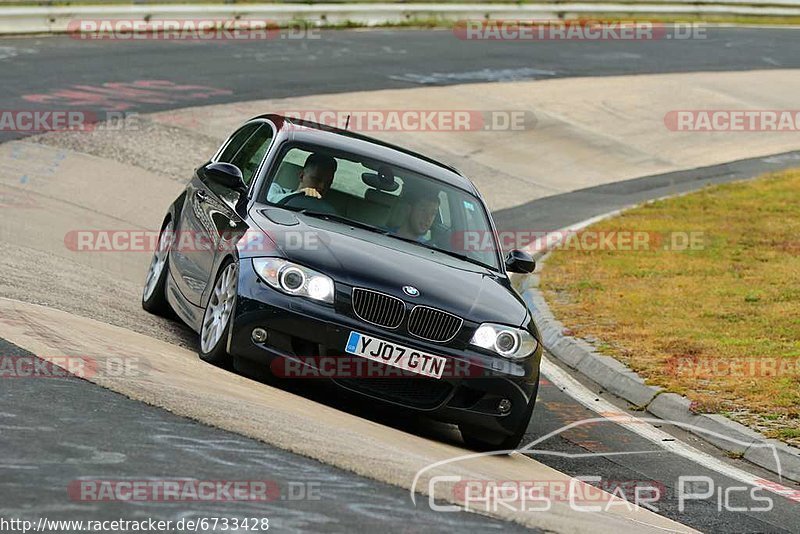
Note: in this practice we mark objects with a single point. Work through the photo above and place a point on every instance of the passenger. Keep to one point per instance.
(423, 207)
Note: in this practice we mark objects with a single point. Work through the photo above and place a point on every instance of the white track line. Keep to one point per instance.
(642, 427)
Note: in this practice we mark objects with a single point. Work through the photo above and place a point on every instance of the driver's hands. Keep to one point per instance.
(310, 192)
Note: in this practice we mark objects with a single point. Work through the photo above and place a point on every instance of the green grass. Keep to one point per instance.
(720, 324)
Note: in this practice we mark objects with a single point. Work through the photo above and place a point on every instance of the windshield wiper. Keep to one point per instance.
(456, 255)
(343, 220)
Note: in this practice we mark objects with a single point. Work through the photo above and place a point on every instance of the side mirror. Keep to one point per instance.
(226, 175)
(519, 261)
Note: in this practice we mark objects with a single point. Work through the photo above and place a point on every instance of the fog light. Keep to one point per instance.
(259, 335)
(504, 406)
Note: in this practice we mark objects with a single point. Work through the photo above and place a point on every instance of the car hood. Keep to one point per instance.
(361, 258)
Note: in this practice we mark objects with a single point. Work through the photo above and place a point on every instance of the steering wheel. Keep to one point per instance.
(300, 200)
(285, 200)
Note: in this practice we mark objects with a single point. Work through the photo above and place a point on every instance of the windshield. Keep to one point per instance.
(377, 195)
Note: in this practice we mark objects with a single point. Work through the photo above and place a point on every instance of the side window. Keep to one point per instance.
(249, 157)
(236, 142)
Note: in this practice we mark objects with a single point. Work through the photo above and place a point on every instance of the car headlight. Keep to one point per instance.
(294, 279)
(507, 341)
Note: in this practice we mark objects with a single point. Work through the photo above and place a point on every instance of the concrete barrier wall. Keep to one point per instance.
(33, 3)
(44, 19)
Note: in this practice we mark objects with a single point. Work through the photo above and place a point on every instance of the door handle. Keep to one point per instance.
(201, 195)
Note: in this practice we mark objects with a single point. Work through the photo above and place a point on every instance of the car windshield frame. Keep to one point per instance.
(283, 149)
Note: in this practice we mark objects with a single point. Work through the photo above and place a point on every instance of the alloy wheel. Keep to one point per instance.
(219, 309)
(158, 262)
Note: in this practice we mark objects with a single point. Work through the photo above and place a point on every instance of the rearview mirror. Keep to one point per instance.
(519, 261)
(226, 175)
(382, 180)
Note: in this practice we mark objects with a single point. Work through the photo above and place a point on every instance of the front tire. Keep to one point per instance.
(154, 294)
(479, 440)
(253, 370)
(218, 316)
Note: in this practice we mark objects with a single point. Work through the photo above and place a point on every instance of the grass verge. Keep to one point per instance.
(709, 308)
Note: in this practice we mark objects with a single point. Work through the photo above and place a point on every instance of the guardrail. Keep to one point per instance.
(49, 3)
(56, 19)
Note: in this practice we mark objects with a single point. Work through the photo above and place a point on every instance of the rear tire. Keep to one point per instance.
(154, 294)
(217, 317)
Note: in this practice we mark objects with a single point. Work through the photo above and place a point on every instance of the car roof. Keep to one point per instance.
(347, 141)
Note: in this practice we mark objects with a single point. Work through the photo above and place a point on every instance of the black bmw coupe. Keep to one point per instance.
(305, 250)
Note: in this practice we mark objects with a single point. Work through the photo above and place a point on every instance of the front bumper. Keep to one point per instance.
(306, 339)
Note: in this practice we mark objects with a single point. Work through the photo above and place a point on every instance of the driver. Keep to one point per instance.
(315, 179)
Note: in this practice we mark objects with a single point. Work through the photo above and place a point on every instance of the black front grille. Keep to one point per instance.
(378, 308)
(433, 325)
(414, 392)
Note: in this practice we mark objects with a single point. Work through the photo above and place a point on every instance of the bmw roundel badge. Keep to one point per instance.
(411, 291)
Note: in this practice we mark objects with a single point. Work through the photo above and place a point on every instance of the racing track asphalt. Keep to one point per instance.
(341, 61)
(345, 61)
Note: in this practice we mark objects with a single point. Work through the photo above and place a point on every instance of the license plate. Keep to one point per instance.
(395, 355)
